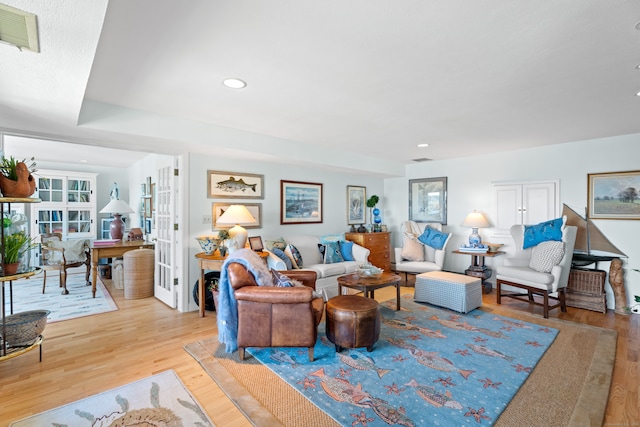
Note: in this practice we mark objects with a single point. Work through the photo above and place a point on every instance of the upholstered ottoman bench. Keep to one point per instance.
(450, 290)
(352, 321)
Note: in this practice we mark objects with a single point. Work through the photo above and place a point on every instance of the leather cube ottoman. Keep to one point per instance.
(352, 321)
(450, 290)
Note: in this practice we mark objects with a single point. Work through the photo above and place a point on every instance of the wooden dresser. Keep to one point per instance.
(378, 243)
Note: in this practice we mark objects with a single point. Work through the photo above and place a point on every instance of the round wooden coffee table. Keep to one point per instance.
(368, 285)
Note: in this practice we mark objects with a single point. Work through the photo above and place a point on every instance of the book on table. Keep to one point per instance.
(106, 242)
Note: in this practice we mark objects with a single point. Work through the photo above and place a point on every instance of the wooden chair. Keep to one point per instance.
(60, 255)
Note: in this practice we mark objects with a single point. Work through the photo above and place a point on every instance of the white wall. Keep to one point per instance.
(470, 187)
(334, 199)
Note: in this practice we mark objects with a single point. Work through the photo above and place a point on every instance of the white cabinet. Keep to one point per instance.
(68, 204)
(524, 203)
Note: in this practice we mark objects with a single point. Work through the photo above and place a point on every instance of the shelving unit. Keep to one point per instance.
(5, 351)
(68, 204)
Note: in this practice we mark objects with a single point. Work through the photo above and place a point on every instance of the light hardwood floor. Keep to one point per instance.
(89, 355)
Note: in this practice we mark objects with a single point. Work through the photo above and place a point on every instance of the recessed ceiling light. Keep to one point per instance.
(234, 83)
(638, 25)
(423, 145)
(637, 93)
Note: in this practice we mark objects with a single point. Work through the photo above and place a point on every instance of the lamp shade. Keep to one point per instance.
(236, 215)
(117, 206)
(476, 220)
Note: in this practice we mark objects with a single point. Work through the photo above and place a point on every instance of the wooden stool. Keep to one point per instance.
(138, 273)
(352, 321)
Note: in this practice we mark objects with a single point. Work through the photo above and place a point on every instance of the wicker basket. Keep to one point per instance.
(23, 329)
(585, 289)
(138, 273)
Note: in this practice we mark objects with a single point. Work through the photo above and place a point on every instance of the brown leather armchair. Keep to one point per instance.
(270, 316)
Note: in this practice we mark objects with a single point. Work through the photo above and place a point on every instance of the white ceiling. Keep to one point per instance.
(368, 78)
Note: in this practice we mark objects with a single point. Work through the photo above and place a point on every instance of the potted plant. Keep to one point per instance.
(223, 235)
(15, 177)
(373, 211)
(14, 246)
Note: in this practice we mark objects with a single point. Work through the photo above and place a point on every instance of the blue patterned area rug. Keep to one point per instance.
(27, 295)
(431, 366)
(160, 400)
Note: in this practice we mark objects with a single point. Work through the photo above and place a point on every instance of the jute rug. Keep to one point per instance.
(568, 387)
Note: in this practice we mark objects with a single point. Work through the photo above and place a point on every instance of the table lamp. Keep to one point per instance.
(475, 220)
(236, 215)
(116, 207)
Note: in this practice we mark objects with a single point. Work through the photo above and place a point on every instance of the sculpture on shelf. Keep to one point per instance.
(114, 194)
(16, 179)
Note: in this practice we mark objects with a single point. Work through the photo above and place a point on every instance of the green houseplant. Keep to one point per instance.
(14, 246)
(371, 204)
(222, 236)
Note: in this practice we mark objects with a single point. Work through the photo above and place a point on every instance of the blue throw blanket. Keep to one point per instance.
(227, 305)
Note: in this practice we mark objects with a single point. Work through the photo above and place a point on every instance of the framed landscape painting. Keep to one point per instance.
(236, 185)
(300, 202)
(356, 203)
(428, 200)
(614, 195)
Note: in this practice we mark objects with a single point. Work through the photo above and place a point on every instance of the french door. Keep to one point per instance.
(167, 271)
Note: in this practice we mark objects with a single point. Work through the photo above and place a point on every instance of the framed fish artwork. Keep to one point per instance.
(234, 185)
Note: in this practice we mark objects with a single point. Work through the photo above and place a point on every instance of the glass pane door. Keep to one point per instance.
(50, 221)
(78, 191)
(50, 189)
(79, 221)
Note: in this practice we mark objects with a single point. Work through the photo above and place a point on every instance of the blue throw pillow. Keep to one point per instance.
(346, 249)
(332, 253)
(433, 238)
(280, 254)
(545, 231)
(295, 254)
(280, 280)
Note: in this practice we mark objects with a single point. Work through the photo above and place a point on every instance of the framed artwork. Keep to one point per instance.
(300, 202)
(148, 225)
(152, 195)
(428, 200)
(614, 195)
(356, 204)
(236, 185)
(256, 243)
(147, 207)
(255, 209)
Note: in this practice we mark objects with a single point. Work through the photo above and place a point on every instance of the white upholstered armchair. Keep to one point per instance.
(540, 270)
(414, 257)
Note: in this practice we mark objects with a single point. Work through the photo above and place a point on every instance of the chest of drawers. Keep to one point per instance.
(378, 243)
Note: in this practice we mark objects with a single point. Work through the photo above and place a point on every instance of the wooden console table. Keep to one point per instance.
(115, 250)
(478, 268)
(212, 262)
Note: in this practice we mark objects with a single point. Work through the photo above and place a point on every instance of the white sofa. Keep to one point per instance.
(327, 282)
(410, 262)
